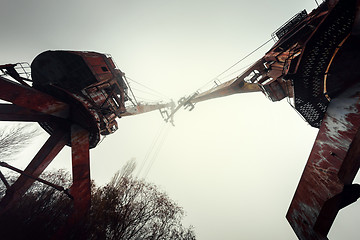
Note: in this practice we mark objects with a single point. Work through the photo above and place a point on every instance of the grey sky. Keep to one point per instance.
(232, 163)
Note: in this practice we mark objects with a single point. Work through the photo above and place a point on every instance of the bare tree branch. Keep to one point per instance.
(14, 138)
(126, 208)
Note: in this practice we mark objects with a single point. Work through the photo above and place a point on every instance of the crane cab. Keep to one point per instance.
(90, 79)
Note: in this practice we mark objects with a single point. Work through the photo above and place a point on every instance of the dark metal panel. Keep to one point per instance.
(325, 186)
(11, 112)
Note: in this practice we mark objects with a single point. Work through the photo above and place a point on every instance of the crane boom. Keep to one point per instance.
(239, 84)
(236, 85)
(146, 107)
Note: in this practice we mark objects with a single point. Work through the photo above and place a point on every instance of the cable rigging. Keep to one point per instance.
(157, 151)
(155, 92)
(189, 101)
(242, 59)
(153, 151)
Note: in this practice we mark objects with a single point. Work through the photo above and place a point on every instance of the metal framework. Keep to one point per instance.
(29, 104)
(315, 64)
(74, 106)
(76, 97)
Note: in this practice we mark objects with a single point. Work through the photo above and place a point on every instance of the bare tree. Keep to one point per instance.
(14, 138)
(39, 212)
(126, 208)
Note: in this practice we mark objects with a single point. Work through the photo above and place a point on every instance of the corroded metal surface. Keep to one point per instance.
(325, 186)
(33, 99)
(89, 78)
(300, 64)
(236, 85)
(80, 189)
(11, 112)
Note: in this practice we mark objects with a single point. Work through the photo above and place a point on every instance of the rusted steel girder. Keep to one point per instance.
(236, 85)
(32, 99)
(55, 186)
(81, 188)
(32, 105)
(326, 183)
(41, 160)
(11, 112)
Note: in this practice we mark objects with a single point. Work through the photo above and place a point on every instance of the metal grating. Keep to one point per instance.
(310, 100)
(286, 27)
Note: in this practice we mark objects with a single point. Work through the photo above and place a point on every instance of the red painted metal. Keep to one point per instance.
(11, 112)
(326, 183)
(81, 188)
(95, 82)
(31, 98)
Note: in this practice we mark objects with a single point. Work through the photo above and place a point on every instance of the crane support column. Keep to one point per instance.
(326, 183)
(80, 189)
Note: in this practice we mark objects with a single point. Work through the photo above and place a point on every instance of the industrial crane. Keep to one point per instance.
(314, 63)
(76, 97)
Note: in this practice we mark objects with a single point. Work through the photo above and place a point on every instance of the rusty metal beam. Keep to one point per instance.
(11, 112)
(31, 98)
(55, 186)
(81, 188)
(41, 160)
(236, 85)
(326, 183)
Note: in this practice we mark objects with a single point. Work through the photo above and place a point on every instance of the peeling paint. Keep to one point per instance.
(320, 182)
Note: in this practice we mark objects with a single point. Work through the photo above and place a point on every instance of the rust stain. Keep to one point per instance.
(320, 182)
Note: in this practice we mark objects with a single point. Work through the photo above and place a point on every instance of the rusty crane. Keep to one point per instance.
(76, 97)
(314, 63)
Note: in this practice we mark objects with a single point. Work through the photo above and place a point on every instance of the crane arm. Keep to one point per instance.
(146, 107)
(236, 85)
(233, 86)
(244, 83)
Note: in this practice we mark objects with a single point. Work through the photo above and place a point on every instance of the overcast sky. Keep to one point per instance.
(233, 163)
